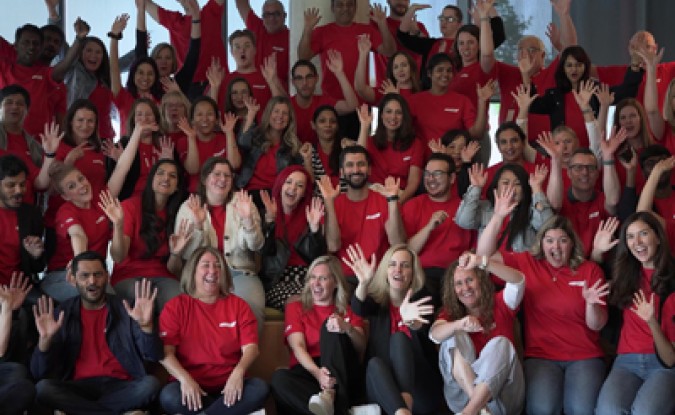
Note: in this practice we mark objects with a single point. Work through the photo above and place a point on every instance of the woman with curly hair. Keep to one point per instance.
(478, 361)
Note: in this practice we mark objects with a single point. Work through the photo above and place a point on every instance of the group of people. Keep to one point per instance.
(487, 289)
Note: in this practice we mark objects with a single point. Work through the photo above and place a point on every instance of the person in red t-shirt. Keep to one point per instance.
(326, 340)
(174, 107)
(661, 121)
(271, 33)
(326, 151)
(393, 298)
(394, 149)
(657, 196)
(475, 330)
(642, 378)
(203, 141)
(210, 341)
(564, 299)
(92, 349)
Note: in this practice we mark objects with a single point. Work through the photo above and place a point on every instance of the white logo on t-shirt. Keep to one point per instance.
(228, 324)
(451, 109)
(407, 158)
(100, 219)
(373, 216)
(594, 215)
(576, 283)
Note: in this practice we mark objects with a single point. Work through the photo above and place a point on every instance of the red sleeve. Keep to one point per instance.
(173, 21)
(170, 322)
(7, 50)
(468, 114)
(247, 323)
(253, 22)
(443, 315)
(516, 260)
(353, 318)
(418, 153)
(130, 216)
(293, 318)
(316, 40)
(375, 38)
(66, 217)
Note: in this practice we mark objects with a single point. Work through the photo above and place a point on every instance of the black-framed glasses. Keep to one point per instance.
(447, 19)
(436, 174)
(272, 14)
(299, 78)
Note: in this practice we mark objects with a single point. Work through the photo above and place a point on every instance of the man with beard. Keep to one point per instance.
(305, 77)
(22, 248)
(360, 216)
(657, 196)
(94, 345)
(427, 218)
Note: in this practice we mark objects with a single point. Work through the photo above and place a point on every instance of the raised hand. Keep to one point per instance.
(328, 191)
(45, 323)
(199, 210)
(547, 142)
(663, 166)
(12, 296)
(604, 239)
(143, 305)
(392, 186)
(378, 14)
(483, 7)
(215, 73)
(486, 91)
(356, 261)
(334, 62)
(469, 260)
(469, 151)
(388, 87)
(537, 178)
(229, 122)
(595, 293)
(120, 24)
(244, 204)
(604, 95)
(191, 7)
(526, 65)
(145, 127)
(504, 203)
(587, 88)
(477, 175)
(111, 207)
(471, 324)
(186, 127)
(608, 147)
(650, 58)
(561, 7)
(269, 67)
(642, 307)
(169, 84)
(51, 137)
(415, 312)
(75, 153)
(364, 44)
(166, 146)
(436, 146)
(111, 150)
(270, 206)
(179, 240)
(314, 212)
(306, 151)
(523, 97)
(34, 245)
(553, 34)
(81, 27)
(437, 218)
(252, 106)
(312, 18)
(365, 117)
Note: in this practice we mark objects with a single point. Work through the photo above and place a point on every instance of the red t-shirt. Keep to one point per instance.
(102, 98)
(389, 162)
(344, 40)
(304, 116)
(265, 171)
(636, 337)
(269, 43)
(309, 323)
(216, 146)
(37, 80)
(218, 215)
(449, 111)
(148, 157)
(381, 60)
(665, 71)
(585, 217)
(10, 248)
(503, 318)
(464, 82)
(259, 88)
(124, 101)
(448, 241)
(136, 264)
(208, 337)
(212, 46)
(574, 119)
(491, 171)
(95, 358)
(396, 321)
(666, 208)
(555, 311)
(362, 222)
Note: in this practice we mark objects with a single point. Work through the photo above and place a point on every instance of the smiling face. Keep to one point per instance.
(344, 11)
(207, 277)
(91, 280)
(326, 125)
(322, 284)
(467, 45)
(28, 48)
(467, 287)
(239, 92)
(437, 178)
(400, 271)
(355, 170)
(583, 172)
(165, 180)
(13, 109)
(76, 188)
(83, 125)
(243, 52)
(643, 242)
(574, 70)
(280, 117)
(508, 178)
(273, 16)
(12, 190)
(449, 28)
(293, 190)
(455, 147)
(629, 118)
(557, 246)
(218, 183)
(441, 75)
(401, 69)
(164, 61)
(144, 77)
(204, 119)
(510, 146)
(92, 56)
(392, 116)
(143, 114)
(173, 109)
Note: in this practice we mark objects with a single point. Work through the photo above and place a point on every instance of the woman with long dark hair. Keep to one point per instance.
(326, 151)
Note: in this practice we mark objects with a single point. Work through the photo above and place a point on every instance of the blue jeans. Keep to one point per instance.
(17, 392)
(252, 399)
(637, 384)
(553, 386)
(99, 395)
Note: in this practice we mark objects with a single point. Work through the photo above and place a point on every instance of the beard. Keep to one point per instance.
(356, 184)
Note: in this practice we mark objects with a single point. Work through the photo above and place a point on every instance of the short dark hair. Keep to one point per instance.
(583, 150)
(355, 149)
(457, 10)
(241, 33)
(53, 28)
(86, 256)
(15, 89)
(208, 100)
(443, 157)
(28, 28)
(511, 125)
(12, 166)
(654, 150)
(303, 62)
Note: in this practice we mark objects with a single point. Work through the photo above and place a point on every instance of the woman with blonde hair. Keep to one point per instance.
(326, 340)
(402, 367)
(210, 340)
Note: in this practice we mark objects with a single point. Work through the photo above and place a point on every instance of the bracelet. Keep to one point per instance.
(50, 155)
(587, 111)
(483, 263)
(607, 162)
(392, 198)
(117, 36)
(196, 21)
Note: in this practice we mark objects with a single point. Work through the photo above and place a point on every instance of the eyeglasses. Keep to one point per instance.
(299, 78)
(578, 168)
(276, 14)
(447, 19)
(436, 174)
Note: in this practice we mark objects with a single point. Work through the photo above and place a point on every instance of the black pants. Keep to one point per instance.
(17, 392)
(293, 387)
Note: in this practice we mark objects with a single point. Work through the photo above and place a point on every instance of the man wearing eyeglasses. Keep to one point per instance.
(271, 33)
(428, 220)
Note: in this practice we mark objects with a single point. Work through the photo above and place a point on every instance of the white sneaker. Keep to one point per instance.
(258, 412)
(369, 409)
(321, 404)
